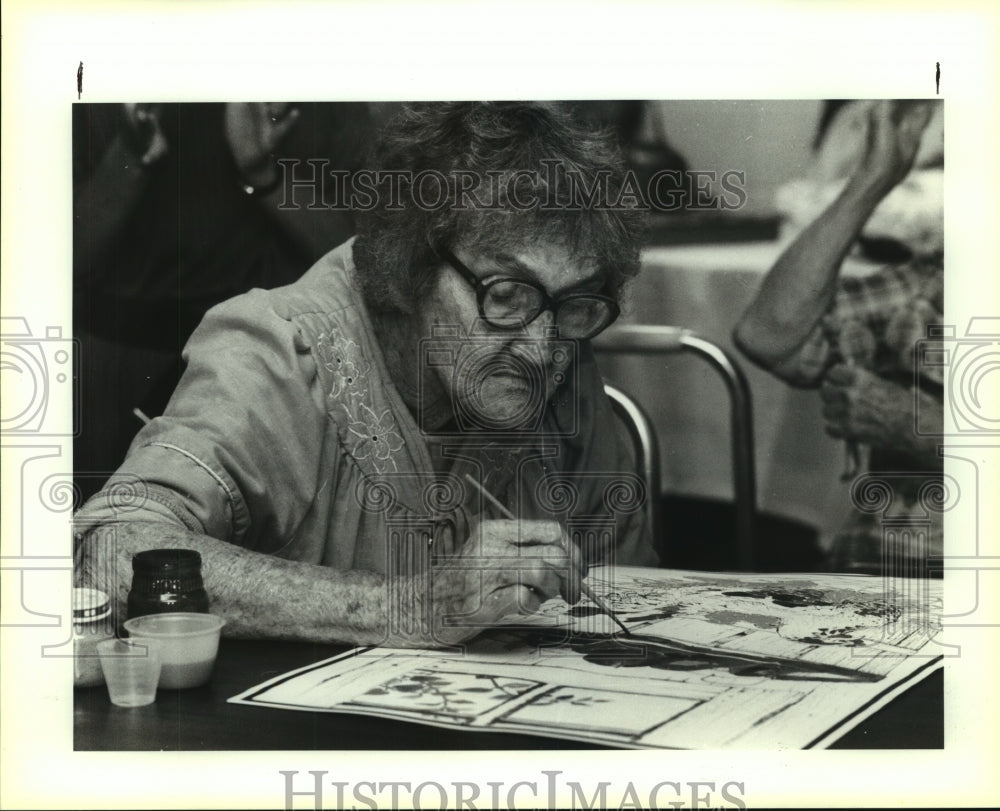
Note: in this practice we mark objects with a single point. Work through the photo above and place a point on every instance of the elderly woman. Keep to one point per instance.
(328, 448)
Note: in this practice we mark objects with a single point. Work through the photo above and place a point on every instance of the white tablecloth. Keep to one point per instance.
(706, 288)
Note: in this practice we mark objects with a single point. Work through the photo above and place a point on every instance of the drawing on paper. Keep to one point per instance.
(714, 661)
(844, 612)
(453, 695)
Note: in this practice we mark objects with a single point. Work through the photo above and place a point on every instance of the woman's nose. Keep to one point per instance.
(544, 326)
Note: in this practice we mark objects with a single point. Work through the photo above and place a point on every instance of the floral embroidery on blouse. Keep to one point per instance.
(376, 437)
(348, 368)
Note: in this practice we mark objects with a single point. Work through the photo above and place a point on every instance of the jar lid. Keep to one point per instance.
(90, 604)
(166, 561)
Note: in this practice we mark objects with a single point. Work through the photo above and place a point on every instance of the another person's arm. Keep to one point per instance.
(256, 132)
(801, 286)
(105, 198)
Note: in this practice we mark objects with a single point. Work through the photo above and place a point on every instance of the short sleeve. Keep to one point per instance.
(236, 453)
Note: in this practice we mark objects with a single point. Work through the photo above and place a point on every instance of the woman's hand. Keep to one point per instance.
(253, 131)
(895, 129)
(506, 567)
(144, 133)
(861, 406)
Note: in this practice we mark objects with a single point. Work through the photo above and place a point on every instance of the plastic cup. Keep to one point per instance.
(189, 644)
(131, 670)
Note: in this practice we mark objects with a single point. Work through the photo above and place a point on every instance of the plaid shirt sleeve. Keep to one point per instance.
(857, 328)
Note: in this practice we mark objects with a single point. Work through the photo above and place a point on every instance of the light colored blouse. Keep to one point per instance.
(286, 436)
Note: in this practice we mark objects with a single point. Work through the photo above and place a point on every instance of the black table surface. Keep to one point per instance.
(202, 719)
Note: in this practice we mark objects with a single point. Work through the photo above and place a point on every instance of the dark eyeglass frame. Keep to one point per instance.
(482, 287)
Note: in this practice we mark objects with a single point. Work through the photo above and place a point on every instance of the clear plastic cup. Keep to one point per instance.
(131, 670)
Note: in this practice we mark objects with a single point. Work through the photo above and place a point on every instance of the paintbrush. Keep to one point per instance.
(587, 591)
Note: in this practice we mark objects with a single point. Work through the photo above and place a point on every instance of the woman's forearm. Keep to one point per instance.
(259, 595)
(800, 287)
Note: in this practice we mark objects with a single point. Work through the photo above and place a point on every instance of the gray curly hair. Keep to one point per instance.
(513, 151)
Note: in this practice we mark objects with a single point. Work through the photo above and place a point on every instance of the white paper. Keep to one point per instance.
(713, 661)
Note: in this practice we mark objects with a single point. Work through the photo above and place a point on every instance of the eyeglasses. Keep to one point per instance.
(509, 303)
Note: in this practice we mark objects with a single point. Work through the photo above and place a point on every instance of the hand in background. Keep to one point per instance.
(861, 406)
(907, 330)
(253, 131)
(145, 133)
(893, 139)
(109, 190)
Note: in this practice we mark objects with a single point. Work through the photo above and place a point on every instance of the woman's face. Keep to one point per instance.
(499, 379)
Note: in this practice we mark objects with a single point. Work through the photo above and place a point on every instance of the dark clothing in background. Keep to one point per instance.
(193, 239)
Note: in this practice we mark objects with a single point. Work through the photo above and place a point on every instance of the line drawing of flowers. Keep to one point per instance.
(463, 695)
(569, 698)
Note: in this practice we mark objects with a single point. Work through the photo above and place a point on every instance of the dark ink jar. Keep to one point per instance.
(166, 580)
